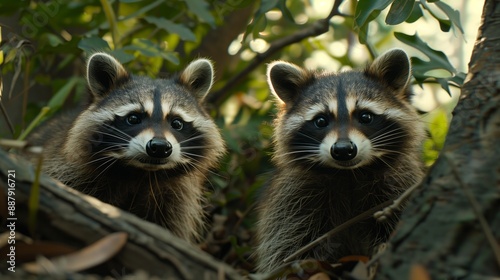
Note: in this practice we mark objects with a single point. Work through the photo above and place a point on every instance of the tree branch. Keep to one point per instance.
(316, 29)
(70, 219)
(451, 225)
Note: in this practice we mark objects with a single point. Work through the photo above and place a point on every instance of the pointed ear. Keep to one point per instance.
(393, 68)
(104, 73)
(198, 77)
(286, 80)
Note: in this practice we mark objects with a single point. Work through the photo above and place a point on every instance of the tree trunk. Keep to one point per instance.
(66, 218)
(451, 227)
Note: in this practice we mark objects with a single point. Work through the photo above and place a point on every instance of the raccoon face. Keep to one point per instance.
(150, 138)
(150, 124)
(345, 120)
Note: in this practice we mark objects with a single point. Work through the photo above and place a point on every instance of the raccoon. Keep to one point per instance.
(344, 143)
(144, 145)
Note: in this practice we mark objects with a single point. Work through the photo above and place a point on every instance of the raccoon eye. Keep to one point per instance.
(177, 124)
(320, 122)
(133, 119)
(365, 117)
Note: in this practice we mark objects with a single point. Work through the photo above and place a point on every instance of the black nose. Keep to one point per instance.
(159, 148)
(343, 150)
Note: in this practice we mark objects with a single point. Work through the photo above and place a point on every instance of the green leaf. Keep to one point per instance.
(437, 59)
(122, 56)
(62, 94)
(452, 14)
(148, 48)
(438, 128)
(363, 34)
(365, 9)
(420, 67)
(171, 27)
(458, 79)
(170, 56)
(200, 9)
(144, 46)
(400, 10)
(55, 103)
(416, 13)
(444, 24)
(93, 44)
(260, 26)
(53, 40)
(285, 11)
(444, 84)
(142, 10)
(265, 6)
(34, 123)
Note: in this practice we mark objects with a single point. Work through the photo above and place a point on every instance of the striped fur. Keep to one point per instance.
(344, 142)
(144, 145)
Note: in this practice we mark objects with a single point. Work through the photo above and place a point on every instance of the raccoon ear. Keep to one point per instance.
(394, 68)
(198, 77)
(104, 73)
(286, 80)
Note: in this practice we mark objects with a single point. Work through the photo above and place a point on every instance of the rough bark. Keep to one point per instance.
(67, 217)
(451, 227)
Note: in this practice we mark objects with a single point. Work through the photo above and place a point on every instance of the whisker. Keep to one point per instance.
(117, 130)
(191, 138)
(112, 160)
(153, 192)
(394, 132)
(120, 137)
(391, 132)
(196, 147)
(307, 136)
(303, 151)
(387, 151)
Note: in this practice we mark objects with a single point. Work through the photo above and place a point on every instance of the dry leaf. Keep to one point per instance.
(360, 271)
(90, 256)
(419, 272)
(320, 276)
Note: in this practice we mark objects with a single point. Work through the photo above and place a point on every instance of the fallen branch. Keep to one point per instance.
(68, 217)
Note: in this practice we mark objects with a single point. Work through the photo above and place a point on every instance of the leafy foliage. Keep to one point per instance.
(43, 50)
(411, 11)
(438, 126)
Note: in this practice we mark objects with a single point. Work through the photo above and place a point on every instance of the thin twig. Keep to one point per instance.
(365, 215)
(397, 203)
(316, 29)
(477, 211)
